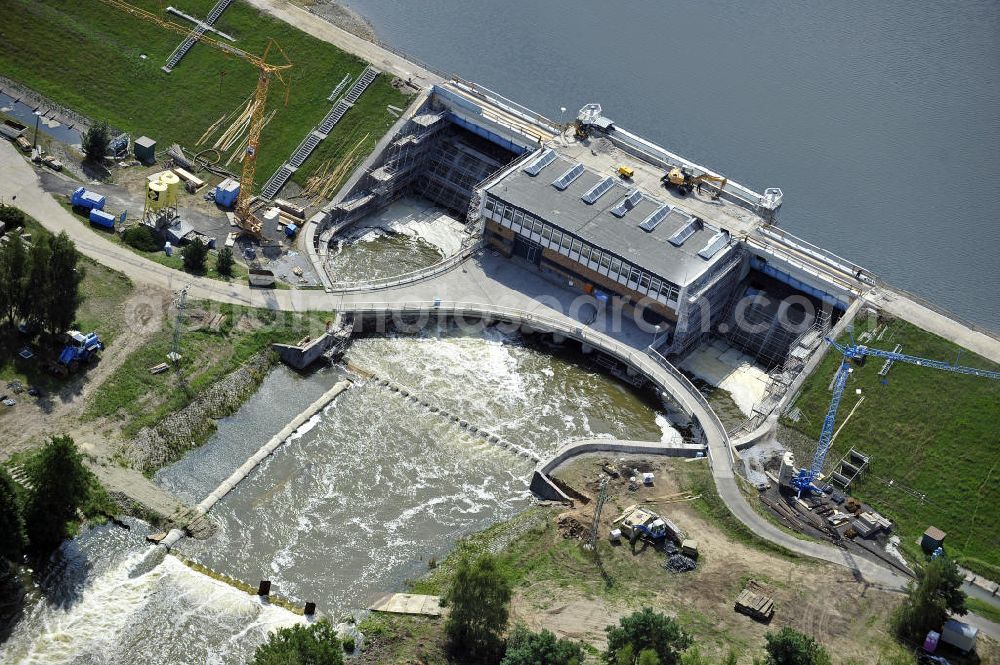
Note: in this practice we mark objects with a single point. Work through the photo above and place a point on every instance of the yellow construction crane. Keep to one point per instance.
(243, 213)
(684, 181)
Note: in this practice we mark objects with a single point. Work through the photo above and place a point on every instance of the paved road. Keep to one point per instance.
(489, 285)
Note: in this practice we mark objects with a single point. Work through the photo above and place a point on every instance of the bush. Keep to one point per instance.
(478, 597)
(12, 217)
(316, 645)
(646, 630)
(194, 255)
(790, 647)
(527, 648)
(143, 238)
(224, 262)
(349, 645)
(96, 141)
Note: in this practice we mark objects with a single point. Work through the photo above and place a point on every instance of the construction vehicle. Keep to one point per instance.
(245, 218)
(636, 523)
(804, 478)
(625, 172)
(754, 603)
(80, 349)
(684, 180)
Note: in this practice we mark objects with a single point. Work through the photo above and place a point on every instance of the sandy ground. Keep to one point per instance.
(734, 372)
(823, 600)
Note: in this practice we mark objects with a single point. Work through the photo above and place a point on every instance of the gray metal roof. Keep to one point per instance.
(596, 224)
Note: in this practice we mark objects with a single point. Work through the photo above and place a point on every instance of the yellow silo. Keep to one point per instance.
(156, 196)
(173, 183)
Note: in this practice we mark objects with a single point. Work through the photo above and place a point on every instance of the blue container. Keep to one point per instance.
(290, 230)
(227, 192)
(102, 219)
(84, 198)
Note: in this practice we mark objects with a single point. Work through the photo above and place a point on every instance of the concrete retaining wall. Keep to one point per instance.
(542, 485)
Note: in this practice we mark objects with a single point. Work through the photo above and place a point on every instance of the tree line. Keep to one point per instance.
(40, 280)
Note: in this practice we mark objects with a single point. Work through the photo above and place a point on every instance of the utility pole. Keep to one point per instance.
(34, 143)
(175, 354)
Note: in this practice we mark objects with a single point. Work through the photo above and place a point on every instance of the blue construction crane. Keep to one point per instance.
(804, 477)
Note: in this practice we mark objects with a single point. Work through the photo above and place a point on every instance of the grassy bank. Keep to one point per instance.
(135, 398)
(106, 64)
(933, 439)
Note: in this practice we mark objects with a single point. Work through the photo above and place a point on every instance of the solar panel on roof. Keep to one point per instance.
(683, 233)
(654, 219)
(715, 243)
(598, 190)
(547, 157)
(627, 203)
(563, 181)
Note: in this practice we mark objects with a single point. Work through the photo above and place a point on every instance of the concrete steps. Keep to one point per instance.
(195, 35)
(318, 133)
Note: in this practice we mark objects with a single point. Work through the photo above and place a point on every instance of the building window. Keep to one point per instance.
(547, 232)
(577, 246)
(518, 217)
(616, 266)
(537, 227)
(567, 241)
(644, 281)
(633, 279)
(654, 285)
(605, 261)
(508, 214)
(490, 204)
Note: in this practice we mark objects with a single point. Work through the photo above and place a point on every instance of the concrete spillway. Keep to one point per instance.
(262, 453)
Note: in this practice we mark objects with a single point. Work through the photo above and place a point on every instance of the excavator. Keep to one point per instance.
(684, 181)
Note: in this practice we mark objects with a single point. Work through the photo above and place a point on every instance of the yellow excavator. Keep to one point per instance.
(684, 181)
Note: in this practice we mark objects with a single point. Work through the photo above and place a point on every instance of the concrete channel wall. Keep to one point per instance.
(262, 453)
(542, 485)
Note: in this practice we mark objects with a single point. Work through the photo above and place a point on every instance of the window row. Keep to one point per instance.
(603, 262)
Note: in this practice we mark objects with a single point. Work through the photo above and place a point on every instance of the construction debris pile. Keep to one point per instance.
(677, 561)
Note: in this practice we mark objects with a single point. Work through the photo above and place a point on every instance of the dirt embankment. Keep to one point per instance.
(341, 16)
(153, 447)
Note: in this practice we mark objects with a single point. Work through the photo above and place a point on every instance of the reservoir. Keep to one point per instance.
(875, 119)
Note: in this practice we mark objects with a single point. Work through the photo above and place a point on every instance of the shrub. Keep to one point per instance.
(790, 647)
(142, 238)
(647, 630)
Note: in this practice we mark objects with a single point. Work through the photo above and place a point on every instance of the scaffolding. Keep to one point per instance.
(456, 163)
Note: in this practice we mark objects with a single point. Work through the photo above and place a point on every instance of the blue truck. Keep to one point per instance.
(80, 350)
(86, 199)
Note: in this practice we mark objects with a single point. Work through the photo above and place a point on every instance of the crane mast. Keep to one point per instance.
(266, 70)
(804, 478)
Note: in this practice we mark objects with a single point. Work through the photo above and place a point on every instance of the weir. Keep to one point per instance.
(407, 393)
(266, 450)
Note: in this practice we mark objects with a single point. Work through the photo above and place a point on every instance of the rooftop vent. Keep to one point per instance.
(535, 167)
(598, 190)
(627, 203)
(654, 219)
(563, 181)
(687, 230)
(714, 244)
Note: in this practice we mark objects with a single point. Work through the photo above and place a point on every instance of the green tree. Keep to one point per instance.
(62, 484)
(525, 647)
(316, 644)
(790, 647)
(693, 657)
(96, 141)
(13, 277)
(937, 592)
(13, 542)
(647, 629)
(224, 262)
(478, 598)
(33, 305)
(194, 255)
(63, 297)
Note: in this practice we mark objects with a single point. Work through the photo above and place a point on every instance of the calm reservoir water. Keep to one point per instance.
(877, 120)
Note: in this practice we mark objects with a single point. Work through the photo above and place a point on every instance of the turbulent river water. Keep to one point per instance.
(355, 503)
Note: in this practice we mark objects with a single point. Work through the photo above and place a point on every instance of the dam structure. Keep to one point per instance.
(690, 262)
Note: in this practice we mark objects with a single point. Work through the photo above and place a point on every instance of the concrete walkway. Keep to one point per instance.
(321, 29)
